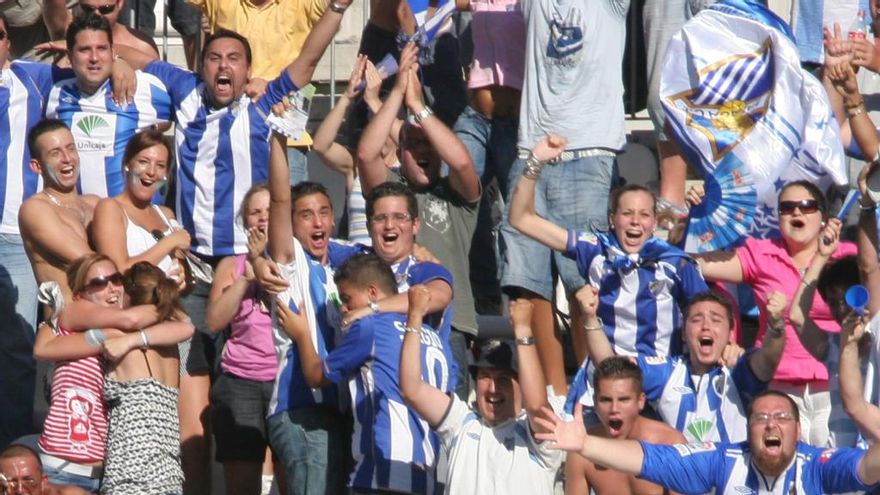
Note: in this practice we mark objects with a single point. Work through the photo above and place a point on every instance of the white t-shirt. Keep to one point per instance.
(505, 459)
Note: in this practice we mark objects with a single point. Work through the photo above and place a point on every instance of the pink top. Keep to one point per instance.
(250, 351)
(76, 427)
(767, 267)
(499, 33)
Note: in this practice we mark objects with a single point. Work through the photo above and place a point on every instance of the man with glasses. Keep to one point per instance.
(448, 205)
(772, 460)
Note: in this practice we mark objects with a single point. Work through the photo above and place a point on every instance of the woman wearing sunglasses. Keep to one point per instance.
(143, 441)
(72, 444)
(146, 169)
(779, 264)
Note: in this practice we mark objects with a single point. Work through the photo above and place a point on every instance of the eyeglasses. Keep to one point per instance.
(100, 283)
(806, 206)
(394, 217)
(27, 485)
(780, 417)
(2, 35)
(102, 9)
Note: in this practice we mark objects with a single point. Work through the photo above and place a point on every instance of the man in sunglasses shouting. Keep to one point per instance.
(772, 460)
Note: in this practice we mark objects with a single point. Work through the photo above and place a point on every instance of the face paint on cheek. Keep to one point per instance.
(53, 175)
(134, 178)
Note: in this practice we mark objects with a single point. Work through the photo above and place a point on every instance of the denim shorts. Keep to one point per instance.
(59, 477)
(238, 418)
(571, 194)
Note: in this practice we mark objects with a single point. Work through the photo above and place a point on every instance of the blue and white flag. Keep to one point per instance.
(736, 98)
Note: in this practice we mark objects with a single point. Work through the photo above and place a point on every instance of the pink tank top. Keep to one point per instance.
(76, 427)
(250, 351)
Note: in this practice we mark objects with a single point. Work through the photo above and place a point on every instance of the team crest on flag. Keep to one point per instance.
(747, 117)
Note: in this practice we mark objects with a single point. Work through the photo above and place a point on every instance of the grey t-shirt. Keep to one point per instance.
(448, 224)
(574, 81)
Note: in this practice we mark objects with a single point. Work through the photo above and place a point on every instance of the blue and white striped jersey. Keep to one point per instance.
(728, 470)
(101, 128)
(641, 296)
(705, 408)
(23, 88)
(393, 447)
(220, 154)
(291, 390)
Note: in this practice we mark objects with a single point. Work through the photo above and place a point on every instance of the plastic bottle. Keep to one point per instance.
(859, 29)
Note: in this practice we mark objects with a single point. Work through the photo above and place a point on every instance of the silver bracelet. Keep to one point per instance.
(412, 330)
(95, 337)
(530, 340)
(600, 326)
(337, 7)
(534, 166)
(145, 342)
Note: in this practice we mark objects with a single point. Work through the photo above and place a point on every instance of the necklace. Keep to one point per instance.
(77, 209)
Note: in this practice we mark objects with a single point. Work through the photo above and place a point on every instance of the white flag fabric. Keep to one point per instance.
(735, 95)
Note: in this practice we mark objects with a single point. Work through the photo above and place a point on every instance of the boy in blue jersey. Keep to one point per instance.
(305, 428)
(696, 394)
(492, 447)
(394, 449)
(771, 461)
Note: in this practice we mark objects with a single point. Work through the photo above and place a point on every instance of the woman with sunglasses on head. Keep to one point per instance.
(146, 168)
(779, 264)
(240, 395)
(72, 444)
(143, 441)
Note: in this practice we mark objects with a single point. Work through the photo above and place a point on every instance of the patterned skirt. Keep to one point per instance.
(143, 441)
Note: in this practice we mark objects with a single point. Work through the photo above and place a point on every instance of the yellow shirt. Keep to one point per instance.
(275, 30)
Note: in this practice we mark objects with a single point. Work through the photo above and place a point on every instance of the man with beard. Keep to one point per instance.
(772, 460)
(619, 399)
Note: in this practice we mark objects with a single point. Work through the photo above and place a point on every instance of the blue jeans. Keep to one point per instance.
(492, 145)
(18, 307)
(573, 195)
(58, 477)
(298, 163)
(310, 443)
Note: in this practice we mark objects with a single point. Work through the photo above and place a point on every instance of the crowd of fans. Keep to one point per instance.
(162, 248)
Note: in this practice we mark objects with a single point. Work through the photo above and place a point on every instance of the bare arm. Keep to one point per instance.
(429, 402)
(720, 266)
(522, 206)
(81, 314)
(333, 155)
(226, 295)
(866, 238)
(280, 227)
(869, 466)
(370, 164)
(620, 455)
(813, 338)
(597, 342)
(57, 17)
(531, 376)
(301, 70)
(109, 221)
(162, 334)
(441, 296)
(49, 347)
(865, 415)
(463, 179)
(765, 360)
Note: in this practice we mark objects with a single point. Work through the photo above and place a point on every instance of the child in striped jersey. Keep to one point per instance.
(696, 394)
(394, 449)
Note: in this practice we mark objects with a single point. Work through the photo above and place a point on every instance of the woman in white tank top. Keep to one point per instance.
(132, 212)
